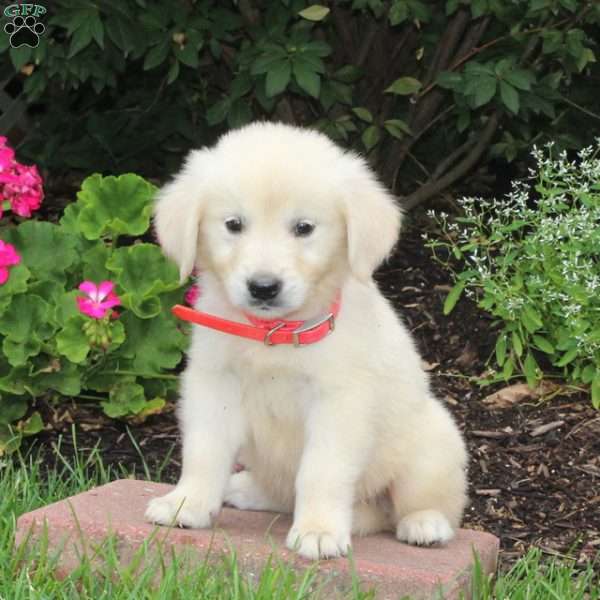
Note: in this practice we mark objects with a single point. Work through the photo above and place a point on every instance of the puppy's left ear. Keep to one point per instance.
(178, 210)
(372, 219)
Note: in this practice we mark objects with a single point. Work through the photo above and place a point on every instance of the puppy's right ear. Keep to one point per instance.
(178, 210)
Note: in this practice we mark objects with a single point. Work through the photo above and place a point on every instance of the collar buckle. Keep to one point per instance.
(313, 324)
(267, 339)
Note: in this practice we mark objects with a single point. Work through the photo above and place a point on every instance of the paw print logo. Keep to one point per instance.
(24, 31)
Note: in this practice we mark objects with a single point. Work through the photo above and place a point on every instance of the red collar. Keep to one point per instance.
(271, 332)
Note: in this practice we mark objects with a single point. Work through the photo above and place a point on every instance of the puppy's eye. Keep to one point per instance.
(303, 228)
(234, 224)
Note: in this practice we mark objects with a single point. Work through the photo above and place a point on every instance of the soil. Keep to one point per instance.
(534, 463)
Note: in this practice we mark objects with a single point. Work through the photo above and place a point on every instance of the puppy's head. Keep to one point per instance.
(279, 215)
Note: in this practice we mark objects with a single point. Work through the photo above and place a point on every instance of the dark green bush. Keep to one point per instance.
(427, 88)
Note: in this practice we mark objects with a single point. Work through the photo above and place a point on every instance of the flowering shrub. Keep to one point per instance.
(532, 261)
(59, 287)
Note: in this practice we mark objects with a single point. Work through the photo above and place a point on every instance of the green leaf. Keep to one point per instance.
(478, 8)
(348, 74)
(72, 341)
(188, 55)
(241, 85)
(152, 407)
(141, 345)
(124, 33)
(485, 90)
(341, 92)
(405, 86)
(143, 272)
(68, 221)
(398, 13)
(315, 12)
(124, 399)
(157, 55)
(16, 283)
(510, 97)
(240, 113)
(32, 425)
(318, 48)
(568, 357)
(397, 128)
(97, 29)
(531, 370)
(13, 381)
(520, 78)
(543, 344)
(66, 307)
(370, 137)
(307, 79)
(501, 349)
(217, 113)
(18, 353)
(81, 38)
(363, 114)
(278, 78)
(28, 317)
(531, 319)
(588, 373)
(517, 344)
(508, 368)
(453, 296)
(265, 62)
(449, 80)
(94, 263)
(62, 376)
(12, 408)
(595, 391)
(45, 250)
(173, 73)
(115, 206)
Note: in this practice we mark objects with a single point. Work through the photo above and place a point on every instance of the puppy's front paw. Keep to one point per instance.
(424, 527)
(318, 543)
(182, 508)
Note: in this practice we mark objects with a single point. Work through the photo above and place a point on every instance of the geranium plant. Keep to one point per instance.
(85, 307)
(531, 260)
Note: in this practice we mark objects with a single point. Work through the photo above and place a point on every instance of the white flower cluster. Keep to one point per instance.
(539, 246)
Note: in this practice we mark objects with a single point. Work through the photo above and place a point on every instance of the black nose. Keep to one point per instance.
(264, 288)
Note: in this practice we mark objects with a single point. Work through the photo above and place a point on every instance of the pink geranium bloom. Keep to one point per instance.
(192, 294)
(98, 299)
(20, 185)
(7, 155)
(8, 258)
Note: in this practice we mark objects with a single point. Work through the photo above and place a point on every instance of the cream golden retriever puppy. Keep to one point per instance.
(344, 433)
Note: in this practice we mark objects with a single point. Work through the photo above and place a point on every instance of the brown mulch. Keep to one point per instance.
(535, 463)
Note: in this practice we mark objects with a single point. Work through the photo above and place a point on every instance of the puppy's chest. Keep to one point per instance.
(276, 397)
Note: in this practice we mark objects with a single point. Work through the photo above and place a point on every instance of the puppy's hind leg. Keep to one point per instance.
(244, 492)
(427, 511)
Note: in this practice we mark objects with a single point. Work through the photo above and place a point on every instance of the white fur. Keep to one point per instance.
(344, 433)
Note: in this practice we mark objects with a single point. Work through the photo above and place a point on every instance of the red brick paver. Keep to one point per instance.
(78, 524)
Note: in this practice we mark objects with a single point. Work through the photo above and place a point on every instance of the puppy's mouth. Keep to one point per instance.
(262, 308)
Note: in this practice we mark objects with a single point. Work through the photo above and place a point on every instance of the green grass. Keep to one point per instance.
(25, 484)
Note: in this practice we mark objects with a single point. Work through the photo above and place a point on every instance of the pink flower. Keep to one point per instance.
(8, 258)
(19, 184)
(7, 155)
(192, 294)
(99, 299)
